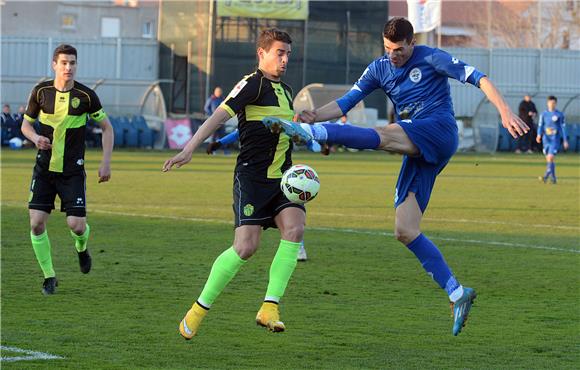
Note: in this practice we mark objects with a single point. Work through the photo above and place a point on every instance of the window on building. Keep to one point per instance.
(110, 27)
(148, 29)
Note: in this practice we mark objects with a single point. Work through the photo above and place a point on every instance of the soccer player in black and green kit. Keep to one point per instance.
(62, 107)
(258, 201)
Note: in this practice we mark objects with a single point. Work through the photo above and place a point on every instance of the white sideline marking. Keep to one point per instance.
(30, 355)
(349, 231)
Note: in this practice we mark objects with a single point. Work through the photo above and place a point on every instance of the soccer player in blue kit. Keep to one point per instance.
(551, 130)
(415, 78)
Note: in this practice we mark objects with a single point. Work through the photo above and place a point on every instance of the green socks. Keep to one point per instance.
(224, 268)
(81, 240)
(41, 246)
(281, 269)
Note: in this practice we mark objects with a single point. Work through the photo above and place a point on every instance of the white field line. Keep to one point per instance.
(349, 231)
(29, 355)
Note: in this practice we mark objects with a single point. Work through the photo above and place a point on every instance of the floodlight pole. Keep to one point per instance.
(210, 41)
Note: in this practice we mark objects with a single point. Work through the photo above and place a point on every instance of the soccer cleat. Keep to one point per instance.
(292, 129)
(302, 253)
(49, 286)
(85, 261)
(461, 309)
(190, 324)
(269, 317)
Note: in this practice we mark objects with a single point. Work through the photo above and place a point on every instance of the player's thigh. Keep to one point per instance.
(291, 222)
(42, 193)
(247, 240)
(72, 193)
(395, 139)
(408, 217)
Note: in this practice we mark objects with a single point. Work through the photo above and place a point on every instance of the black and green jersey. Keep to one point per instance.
(63, 116)
(262, 153)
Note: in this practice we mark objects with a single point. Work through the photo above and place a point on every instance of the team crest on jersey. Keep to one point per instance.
(75, 102)
(248, 210)
(415, 75)
(554, 118)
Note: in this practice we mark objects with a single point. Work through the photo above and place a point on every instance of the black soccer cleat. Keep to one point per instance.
(49, 286)
(85, 261)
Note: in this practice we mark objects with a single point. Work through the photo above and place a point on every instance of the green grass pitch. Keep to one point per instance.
(361, 301)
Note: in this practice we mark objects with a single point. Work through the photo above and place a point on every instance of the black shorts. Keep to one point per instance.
(70, 189)
(257, 201)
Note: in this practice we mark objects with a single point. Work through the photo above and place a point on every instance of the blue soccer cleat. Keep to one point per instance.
(292, 129)
(461, 309)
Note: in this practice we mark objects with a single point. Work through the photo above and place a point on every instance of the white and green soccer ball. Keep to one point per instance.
(300, 184)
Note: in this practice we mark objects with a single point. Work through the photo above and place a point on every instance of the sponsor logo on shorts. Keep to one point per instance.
(248, 210)
(415, 75)
(75, 102)
(79, 200)
(80, 162)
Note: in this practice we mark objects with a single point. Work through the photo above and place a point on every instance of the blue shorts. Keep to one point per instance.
(437, 140)
(551, 146)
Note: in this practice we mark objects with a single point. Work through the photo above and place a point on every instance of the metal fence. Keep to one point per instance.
(124, 69)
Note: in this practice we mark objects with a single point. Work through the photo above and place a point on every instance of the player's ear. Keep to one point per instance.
(413, 41)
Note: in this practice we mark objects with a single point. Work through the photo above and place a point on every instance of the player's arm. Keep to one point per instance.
(565, 142)
(98, 115)
(540, 129)
(32, 111)
(366, 84)
(452, 67)
(217, 119)
(245, 92)
(509, 119)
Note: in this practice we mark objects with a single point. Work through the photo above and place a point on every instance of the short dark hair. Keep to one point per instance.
(268, 36)
(398, 29)
(63, 49)
(552, 97)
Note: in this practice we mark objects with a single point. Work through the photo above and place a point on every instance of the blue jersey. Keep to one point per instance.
(552, 126)
(419, 88)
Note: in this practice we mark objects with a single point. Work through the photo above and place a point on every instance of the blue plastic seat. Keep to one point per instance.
(145, 135)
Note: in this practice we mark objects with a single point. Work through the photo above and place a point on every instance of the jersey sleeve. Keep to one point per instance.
(245, 92)
(96, 109)
(33, 107)
(445, 64)
(564, 134)
(367, 83)
(541, 125)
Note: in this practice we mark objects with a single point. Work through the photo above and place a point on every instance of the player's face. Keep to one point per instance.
(275, 60)
(65, 67)
(398, 52)
(551, 105)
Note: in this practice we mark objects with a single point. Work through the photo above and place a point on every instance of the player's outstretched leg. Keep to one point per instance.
(85, 260)
(292, 129)
(224, 268)
(351, 136)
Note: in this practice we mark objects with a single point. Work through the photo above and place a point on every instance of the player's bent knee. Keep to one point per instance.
(293, 233)
(77, 226)
(37, 227)
(406, 235)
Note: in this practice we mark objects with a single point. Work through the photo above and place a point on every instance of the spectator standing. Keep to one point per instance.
(527, 112)
(210, 106)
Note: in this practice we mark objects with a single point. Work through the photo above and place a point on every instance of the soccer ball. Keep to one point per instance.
(300, 184)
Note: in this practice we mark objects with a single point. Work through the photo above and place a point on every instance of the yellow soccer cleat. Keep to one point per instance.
(269, 317)
(190, 323)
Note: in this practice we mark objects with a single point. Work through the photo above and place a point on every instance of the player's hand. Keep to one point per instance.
(179, 160)
(538, 139)
(566, 145)
(212, 147)
(43, 143)
(307, 116)
(514, 124)
(104, 172)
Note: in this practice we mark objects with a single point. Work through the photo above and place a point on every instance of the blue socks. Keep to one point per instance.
(434, 263)
(550, 170)
(348, 135)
